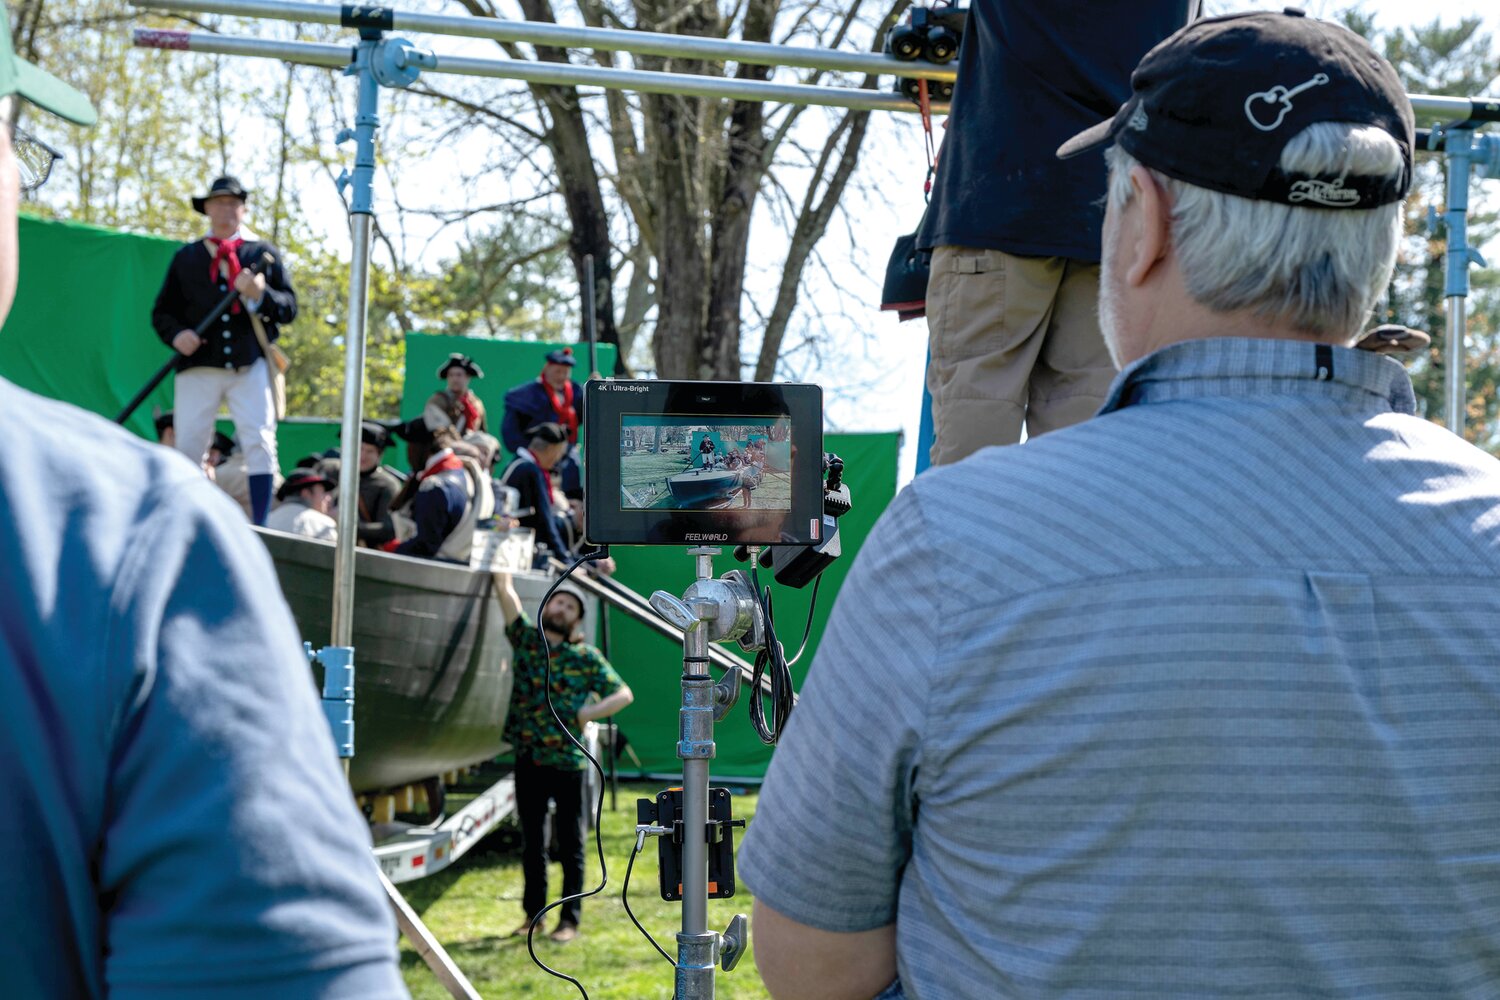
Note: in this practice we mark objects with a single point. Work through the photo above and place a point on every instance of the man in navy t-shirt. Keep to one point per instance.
(176, 823)
(1012, 301)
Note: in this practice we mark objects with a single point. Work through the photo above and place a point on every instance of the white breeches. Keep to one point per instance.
(199, 391)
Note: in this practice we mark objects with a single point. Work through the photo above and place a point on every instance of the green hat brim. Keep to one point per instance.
(51, 94)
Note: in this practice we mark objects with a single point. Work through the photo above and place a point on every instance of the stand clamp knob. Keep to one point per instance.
(734, 942)
(674, 611)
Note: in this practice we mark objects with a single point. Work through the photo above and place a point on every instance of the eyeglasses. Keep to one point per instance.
(34, 159)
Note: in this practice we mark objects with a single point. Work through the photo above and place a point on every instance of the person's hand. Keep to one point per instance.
(186, 342)
(605, 566)
(250, 284)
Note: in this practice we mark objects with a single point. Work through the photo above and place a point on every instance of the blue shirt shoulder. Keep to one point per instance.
(173, 783)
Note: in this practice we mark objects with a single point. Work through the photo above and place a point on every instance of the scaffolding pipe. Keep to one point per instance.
(648, 43)
(557, 74)
(1479, 109)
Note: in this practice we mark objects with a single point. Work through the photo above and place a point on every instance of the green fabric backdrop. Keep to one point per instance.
(80, 330)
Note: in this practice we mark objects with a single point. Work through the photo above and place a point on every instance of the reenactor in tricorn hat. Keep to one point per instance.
(228, 363)
(456, 405)
(378, 486)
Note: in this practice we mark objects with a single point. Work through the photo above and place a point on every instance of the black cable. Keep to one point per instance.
(598, 808)
(807, 629)
(625, 898)
(769, 661)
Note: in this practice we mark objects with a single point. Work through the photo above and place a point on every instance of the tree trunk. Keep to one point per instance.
(743, 172)
(675, 140)
(578, 179)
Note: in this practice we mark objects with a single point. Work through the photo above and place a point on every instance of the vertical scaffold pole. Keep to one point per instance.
(1458, 144)
(361, 224)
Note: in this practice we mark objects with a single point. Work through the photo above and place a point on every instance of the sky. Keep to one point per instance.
(870, 365)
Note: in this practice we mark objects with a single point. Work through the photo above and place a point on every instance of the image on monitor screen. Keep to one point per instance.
(690, 462)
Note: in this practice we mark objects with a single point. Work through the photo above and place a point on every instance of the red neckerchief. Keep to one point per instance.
(546, 475)
(566, 415)
(470, 406)
(227, 254)
(446, 461)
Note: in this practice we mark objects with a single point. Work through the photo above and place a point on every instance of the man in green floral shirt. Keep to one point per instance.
(548, 764)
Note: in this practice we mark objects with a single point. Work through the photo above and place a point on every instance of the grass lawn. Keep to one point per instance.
(472, 906)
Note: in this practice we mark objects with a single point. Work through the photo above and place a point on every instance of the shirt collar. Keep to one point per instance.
(1249, 366)
(242, 233)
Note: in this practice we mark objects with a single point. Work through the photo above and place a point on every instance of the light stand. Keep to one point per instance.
(1464, 152)
(710, 611)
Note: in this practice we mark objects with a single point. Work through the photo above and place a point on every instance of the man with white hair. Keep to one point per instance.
(1207, 706)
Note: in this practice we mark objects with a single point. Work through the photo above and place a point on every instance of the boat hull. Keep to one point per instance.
(432, 665)
(704, 486)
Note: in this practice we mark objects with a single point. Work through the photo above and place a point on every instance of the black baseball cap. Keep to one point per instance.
(1215, 104)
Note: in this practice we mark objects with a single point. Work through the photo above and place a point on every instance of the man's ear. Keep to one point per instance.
(1153, 232)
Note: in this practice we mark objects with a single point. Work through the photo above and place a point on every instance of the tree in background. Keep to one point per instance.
(1459, 61)
(680, 176)
(168, 124)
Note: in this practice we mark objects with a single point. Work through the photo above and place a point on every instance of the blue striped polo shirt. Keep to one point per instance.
(1200, 698)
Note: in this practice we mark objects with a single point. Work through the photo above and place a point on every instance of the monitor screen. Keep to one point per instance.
(703, 462)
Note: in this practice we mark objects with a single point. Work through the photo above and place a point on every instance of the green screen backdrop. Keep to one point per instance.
(80, 330)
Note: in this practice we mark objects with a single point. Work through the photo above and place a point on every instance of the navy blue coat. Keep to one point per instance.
(528, 405)
(437, 509)
(188, 294)
(526, 477)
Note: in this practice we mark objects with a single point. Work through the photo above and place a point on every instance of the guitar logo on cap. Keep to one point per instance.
(1278, 101)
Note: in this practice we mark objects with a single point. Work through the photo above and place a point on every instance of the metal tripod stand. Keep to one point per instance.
(722, 610)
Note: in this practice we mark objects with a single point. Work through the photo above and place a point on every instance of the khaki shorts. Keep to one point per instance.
(1015, 342)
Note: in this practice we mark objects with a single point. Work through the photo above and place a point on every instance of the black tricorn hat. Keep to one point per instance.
(460, 361)
(226, 185)
(162, 420)
(301, 479)
(550, 432)
(415, 429)
(562, 356)
(224, 443)
(376, 433)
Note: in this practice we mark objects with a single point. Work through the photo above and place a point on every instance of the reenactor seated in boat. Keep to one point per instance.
(456, 406)
(378, 487)
(302, 506)
(459, 408)
(551, 398)
(530, 474)
(446, 497)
